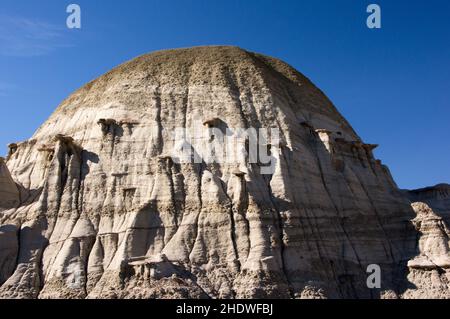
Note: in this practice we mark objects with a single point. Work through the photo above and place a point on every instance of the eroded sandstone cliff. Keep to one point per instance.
(93, 206)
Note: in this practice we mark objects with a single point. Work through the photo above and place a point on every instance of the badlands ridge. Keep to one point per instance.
(93, 206)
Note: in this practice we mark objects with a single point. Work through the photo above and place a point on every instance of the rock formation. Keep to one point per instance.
(436, 197)
(94, 206)
(430, 269)
(9, 193)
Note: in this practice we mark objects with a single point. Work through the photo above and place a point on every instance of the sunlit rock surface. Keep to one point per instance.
(93, 206)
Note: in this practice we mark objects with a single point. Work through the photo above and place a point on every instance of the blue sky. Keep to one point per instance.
(392, 84)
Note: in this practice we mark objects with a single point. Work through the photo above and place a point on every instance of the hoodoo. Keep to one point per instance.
(92, 206)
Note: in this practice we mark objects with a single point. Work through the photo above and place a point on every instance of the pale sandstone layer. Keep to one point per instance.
(92, 206)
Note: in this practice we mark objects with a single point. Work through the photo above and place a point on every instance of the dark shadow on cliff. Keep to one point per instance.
(352, 278)
(346, 278)
(147, 228)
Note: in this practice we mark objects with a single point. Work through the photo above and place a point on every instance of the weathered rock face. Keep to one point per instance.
(96, 208)
(430, 269)
(9, 194)
(436, 197)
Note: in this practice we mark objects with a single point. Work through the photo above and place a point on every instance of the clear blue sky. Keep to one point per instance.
(393, 84)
